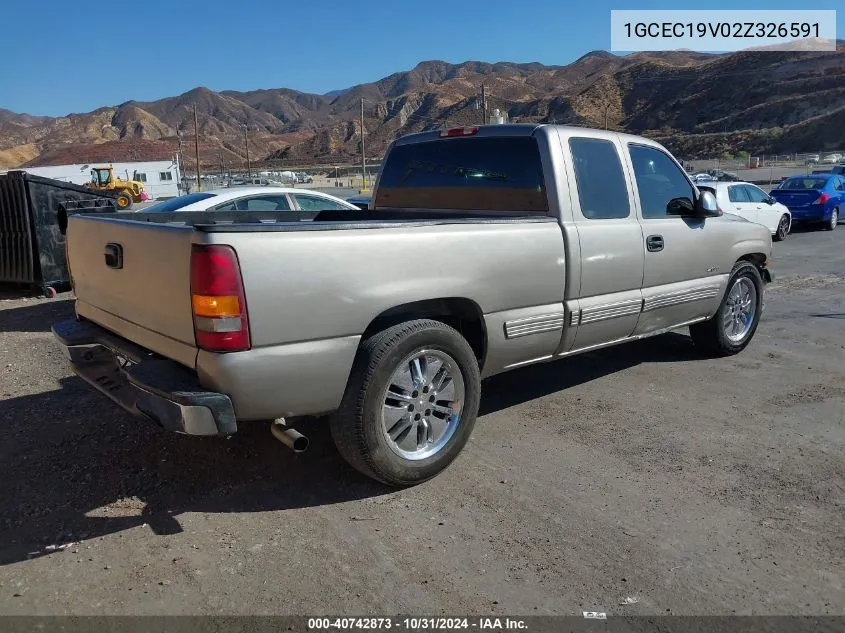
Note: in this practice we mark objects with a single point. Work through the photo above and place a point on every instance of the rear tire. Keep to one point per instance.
(124, 201)
(834, 220)
(735, 322)
(783, 229)
(410, 404)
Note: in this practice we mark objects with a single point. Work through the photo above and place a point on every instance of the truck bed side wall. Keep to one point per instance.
(311, 294)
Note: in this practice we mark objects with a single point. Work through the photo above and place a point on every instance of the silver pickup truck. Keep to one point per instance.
(483, 250)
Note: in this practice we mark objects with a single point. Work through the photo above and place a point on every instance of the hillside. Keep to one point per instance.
(696, 103)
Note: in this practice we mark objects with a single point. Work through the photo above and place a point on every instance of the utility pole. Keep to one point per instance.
(181, 161)
(606, 108)
(197, 148)
(484, 103)
(363, 156)
(246, 143)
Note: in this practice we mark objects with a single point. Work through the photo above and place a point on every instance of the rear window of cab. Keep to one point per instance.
(499, 174)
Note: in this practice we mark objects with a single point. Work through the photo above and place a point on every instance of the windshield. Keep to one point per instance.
(804, 183)
(174, 204)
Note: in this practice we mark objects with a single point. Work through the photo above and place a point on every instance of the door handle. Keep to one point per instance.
(654, 243)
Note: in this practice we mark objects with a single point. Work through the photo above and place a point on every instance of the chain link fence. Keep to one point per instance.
(306, 176)
(743, 161)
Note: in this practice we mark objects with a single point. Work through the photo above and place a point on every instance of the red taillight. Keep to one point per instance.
(459, 131)
(822, 199)
(217, 300)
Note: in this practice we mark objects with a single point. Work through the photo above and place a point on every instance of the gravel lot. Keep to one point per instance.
(690, 485)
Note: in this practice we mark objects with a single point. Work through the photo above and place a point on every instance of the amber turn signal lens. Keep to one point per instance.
(206, 306)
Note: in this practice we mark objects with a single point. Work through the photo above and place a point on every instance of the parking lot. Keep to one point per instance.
(642, 479)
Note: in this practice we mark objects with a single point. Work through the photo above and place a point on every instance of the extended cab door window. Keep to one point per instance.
(598, 175)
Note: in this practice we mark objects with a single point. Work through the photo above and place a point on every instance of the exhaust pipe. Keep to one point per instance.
(291, 438)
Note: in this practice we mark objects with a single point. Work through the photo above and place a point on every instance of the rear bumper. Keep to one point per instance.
(809, 214)
(142, 383)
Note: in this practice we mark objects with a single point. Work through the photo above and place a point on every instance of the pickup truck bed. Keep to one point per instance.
(304, 342)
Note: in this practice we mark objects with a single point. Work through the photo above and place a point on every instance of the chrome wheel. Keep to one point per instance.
(783, 228)
(834, 219)
(740, 309)
(422, 404)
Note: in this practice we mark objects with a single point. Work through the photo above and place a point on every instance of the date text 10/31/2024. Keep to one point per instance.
(417, 624)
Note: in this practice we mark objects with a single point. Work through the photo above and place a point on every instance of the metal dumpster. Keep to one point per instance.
(33, 220)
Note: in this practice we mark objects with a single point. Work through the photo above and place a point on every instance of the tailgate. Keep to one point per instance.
(145, 295)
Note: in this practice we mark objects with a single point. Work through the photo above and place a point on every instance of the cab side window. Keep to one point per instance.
(659, 180)
(598, 173)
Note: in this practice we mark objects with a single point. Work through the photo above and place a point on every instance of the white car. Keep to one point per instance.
(252, 199)
(831, 159)
(752, 203)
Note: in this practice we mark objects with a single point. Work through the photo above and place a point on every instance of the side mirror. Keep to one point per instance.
(770, 200)
(706, 205)
(680, 206)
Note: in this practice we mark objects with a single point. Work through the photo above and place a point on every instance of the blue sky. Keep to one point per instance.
(55, 59)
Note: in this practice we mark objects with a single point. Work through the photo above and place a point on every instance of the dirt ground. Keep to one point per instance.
(636, 480)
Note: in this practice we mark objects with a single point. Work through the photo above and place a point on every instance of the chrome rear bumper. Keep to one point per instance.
(142, 383)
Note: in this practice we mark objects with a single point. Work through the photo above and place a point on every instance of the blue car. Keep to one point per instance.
(813, 198)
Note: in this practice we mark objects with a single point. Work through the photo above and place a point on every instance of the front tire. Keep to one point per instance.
(410, 404)
(834, 220)
(735, 322)
(783, 229)
(124, 201)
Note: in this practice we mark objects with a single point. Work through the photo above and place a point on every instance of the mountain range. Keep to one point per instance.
(698, 104)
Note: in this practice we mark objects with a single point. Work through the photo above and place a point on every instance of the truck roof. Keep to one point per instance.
(526, 129)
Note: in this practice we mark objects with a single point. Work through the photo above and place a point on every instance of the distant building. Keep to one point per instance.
(160, 177)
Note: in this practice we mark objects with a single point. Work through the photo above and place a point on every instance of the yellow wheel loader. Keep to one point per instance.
(128, 191)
